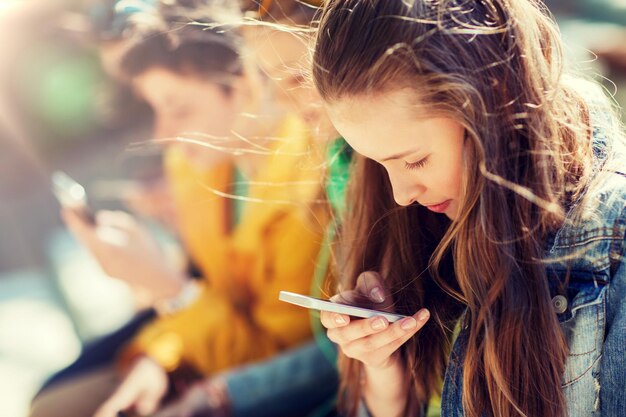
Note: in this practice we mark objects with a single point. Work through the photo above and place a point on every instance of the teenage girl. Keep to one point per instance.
(489, 196)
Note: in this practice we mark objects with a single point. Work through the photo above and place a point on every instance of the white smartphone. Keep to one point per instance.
(71, 195)
(325, 305)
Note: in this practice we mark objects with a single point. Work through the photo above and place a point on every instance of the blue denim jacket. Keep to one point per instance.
(592, 308)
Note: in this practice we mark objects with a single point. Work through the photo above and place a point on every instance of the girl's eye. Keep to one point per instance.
(416, 165)
(295, 80)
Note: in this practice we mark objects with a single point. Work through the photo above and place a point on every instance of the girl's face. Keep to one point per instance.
(185, 103)
(282, 57)
(423, 155)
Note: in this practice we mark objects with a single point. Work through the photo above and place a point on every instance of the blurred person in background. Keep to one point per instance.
(245, 211)
(278, 34)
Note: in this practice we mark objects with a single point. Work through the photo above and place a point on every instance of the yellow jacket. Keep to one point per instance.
(238, 318)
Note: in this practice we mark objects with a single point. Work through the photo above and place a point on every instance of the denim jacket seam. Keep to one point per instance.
(616, 250)
(614, 234)
(600, 264)
(595, 301)
(579, 377)
(596, 266)
(583, 237)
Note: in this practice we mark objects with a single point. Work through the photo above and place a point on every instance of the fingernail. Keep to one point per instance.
(408, 323)
(377, 295)
(423, 315)
(339, 319)
(379, 324)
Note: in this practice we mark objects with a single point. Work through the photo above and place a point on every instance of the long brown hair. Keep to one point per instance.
(495, 67)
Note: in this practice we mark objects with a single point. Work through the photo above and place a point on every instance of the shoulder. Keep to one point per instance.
(592, 237)
(595, 226)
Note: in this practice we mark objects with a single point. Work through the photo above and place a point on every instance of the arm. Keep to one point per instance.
(375, 343)
(213, 334)
(292, 383)
(208, 334)
(385, 389)
(248, 323)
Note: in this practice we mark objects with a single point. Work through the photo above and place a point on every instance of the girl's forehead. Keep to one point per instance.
(394, 104)
(385, 125)
(163, 87)
(276, 51)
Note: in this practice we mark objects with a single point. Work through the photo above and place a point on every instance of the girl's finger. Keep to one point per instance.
(122, 398)
(351, 297)
(148, 403)
(391, 339)
(358, 329)
(388, 350)
(77, 224)
(334, 320)
(371, 285)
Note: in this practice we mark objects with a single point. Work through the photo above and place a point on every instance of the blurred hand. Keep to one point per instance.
(126, 250)
(203, 399)
(154, 201)
(372, 341)
(142, 390)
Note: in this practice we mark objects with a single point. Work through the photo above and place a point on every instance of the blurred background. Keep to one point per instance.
(58, 110)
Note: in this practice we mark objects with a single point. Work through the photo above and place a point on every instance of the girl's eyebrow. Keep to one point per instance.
(400, 155)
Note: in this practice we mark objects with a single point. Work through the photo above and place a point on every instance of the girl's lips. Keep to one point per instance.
(439, 208)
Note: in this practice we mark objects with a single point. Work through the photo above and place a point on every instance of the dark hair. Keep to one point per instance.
(178, 36)
(188, 57)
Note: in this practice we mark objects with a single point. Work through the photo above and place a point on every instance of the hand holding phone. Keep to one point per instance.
(72, 195)
(324, 305)
(373, 341)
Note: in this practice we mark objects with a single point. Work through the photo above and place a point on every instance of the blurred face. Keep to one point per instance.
(423, 155)
(185, 103)
(282, 57)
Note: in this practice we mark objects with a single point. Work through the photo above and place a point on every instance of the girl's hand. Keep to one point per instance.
(153, 200)
(372, 341)
(208, 398)
(127, 251)
(142, 390)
